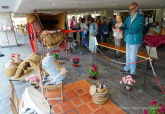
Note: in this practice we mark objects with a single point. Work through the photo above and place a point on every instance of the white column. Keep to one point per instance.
(5, 19)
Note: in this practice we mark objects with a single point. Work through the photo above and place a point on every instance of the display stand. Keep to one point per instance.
(152, 52)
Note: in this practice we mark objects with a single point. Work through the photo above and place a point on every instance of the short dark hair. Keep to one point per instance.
(82, 20)
(91, 19)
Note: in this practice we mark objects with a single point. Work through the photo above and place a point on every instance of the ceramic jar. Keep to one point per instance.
(17, 59)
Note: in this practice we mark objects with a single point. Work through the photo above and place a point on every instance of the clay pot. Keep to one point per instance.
(70, 50)
(11, 64)
(17, 59)
(75, 65)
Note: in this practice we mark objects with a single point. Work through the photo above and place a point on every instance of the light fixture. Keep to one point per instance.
(77, 4)
(54, 4)
(99, 11)
(76, 10)
(114, 4)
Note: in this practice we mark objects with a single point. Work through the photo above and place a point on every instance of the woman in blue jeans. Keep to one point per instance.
(104, 30)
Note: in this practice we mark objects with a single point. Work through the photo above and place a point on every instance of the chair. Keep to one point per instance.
(44, 88)
(14, 104)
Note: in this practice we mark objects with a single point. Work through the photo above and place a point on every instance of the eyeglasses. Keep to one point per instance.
(131, 8)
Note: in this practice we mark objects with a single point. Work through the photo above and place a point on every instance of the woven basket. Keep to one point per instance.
(100, 90)
(10, 71)
(52, 40)
(31, 18)
(99, 101)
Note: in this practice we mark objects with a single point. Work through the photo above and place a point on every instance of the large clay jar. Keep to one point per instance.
(53, 68)
(10, 68)
(17, 59)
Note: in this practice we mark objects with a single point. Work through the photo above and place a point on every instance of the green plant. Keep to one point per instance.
(55, 55)
(155, 108)
(93, 70)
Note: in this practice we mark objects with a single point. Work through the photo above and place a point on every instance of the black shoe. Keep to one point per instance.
(123, 71)
(1, 55)
(133, 76)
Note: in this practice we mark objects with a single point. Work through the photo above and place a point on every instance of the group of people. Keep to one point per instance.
(97, 28)
(132, 27)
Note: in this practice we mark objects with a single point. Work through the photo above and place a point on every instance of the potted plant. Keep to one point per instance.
(33, 80)
(155, 108)
(75, 60)
(100, 87)
(70, 47)
(55, 55)
(93, 71)
(128, 80)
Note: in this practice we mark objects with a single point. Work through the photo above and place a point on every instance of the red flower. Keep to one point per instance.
(13, 55)
(153, 103)
(55, 51)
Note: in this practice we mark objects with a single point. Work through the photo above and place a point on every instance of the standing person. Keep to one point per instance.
(79, 28)
(99, 24)
(73, 26)
(114, 20)
(110, 27)
(133, 28)
(92, 33)
(104, 31)
(84, 27)
(117, 35)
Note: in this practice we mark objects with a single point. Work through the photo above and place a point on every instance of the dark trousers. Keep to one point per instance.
(104, 40)
(74, 34)
(98, 36)
(80, 36)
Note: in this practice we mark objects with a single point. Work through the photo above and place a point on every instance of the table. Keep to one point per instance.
(7, 35)
(154, 40)
(34, 100)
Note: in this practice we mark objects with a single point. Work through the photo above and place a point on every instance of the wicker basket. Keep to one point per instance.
(31, 18)
(10, 71)
(99, 100)
(100, 90)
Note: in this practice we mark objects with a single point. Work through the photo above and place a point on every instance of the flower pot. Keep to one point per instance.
(34, 86)
(128, 87)
(93, 77)
(70, 50)
(56, 58)
(75, 65)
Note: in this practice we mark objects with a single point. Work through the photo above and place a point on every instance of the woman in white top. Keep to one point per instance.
(84, 27)
(117, 35)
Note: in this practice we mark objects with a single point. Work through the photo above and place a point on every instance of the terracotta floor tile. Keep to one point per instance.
(86, 97)
(110, 107)
(80, 91)
(77, 101)
(66, 106)
(102, 111)
(84, 109)
(57, 109)
(73, 111)
(71, 94)
(94, 106)
(53, 102)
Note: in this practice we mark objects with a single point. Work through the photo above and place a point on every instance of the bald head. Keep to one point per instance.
(133, 8)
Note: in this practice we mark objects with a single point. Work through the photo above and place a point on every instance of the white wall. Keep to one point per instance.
(6, 20)
(159, 16)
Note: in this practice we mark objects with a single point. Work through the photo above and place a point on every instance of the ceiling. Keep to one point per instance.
(23, 7)
(13, 5)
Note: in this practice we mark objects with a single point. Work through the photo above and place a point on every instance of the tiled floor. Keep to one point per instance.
(131, 102)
